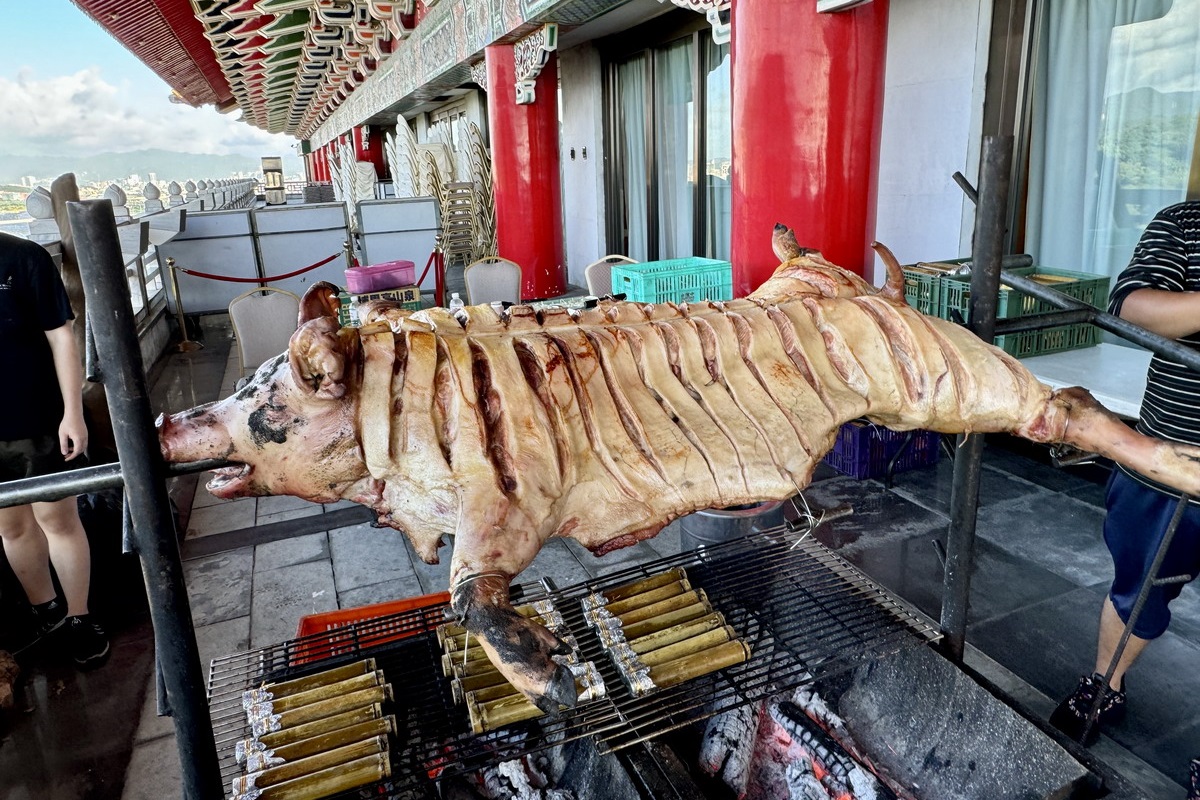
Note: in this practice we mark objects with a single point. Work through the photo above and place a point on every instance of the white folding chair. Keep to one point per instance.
(598, 274)
(263, 319)
(492, 278)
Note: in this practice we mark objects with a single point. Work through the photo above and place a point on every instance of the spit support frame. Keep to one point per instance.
(806, 613)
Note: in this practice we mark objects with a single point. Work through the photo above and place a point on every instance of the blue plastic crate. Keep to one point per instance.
(864, 450)
(677, 280)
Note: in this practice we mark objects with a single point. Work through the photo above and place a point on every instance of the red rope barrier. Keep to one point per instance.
(269, 279)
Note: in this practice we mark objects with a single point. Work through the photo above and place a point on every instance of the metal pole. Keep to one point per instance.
(986, 258)
(107, 294)
(187, 345)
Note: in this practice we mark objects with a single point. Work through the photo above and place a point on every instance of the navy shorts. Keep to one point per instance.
(1138, 517)
(28, 458)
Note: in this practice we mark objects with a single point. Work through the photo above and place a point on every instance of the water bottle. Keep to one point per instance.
(455, 302)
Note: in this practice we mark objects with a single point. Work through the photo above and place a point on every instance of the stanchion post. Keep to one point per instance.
(107, 295)
(187, 345)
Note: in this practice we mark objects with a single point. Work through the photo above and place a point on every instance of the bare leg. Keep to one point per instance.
(69, 550)
(27, 551)
(1111, 628)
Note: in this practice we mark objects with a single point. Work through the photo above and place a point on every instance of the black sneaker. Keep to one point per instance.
(46, 619)
(1194, 780)
(86, 641)
(1072, 713)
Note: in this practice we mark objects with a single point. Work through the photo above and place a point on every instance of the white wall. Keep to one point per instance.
(932, 112)
(582, 178)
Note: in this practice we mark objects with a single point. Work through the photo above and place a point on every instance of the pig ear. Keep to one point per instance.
(317, 359)
(321, 300)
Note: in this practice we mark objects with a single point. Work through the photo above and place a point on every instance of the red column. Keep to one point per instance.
(807, 106)
(524, 138)
(368, 146)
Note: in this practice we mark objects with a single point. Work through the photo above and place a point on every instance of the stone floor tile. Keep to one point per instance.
(433, 577)
(1056, 532)
(154, 772)
(286, 552)
(930, 486)
(280, 503)
(219, 586)
(340, 504)
(283, 516)
(150, 724)
(282, 596)
(204, 498)
(220, 518)
(363, 555)
(222, 639)
(399, 589)
(557, 562)
(667, 542)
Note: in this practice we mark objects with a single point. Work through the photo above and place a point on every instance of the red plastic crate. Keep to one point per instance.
(366, 626)
(864, 450)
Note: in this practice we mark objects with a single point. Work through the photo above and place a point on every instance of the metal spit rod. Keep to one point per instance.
(107, 294)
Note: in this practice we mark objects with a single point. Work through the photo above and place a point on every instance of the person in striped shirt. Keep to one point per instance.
(1160, 291)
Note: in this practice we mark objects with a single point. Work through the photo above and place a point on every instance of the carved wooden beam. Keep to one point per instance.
(530, 55)
(717, 13)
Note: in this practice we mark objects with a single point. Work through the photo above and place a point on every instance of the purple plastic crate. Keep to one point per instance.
(864, 450)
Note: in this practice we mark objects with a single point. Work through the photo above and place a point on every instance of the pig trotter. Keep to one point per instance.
(521, 649)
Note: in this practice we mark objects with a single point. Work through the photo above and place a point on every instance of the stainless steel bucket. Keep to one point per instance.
(713, 525)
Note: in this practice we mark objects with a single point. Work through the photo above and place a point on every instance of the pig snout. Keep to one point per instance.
(192, 436)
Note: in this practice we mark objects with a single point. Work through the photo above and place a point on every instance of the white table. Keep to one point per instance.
(1114, 374)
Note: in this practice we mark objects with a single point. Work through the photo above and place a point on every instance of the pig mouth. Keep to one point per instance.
(230, 481)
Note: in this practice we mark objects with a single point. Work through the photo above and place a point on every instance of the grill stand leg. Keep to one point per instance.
(994, 175)
(154, 539)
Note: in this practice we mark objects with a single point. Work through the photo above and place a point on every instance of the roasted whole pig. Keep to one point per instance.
(607, 424)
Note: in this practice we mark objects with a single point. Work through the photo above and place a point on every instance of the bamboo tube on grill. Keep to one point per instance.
(307, 766)
(687, 614)
(289, 702)
(331, 781)
(648, 597)
(676, 633)
(334, 705)
(277, 739)
(662, 607)
(296, 685)
(683, 669)
(501, 712)
(645, 584)
(696, 644)
(336, 738)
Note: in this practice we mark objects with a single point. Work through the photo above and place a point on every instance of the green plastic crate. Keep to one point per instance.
(677, 280)
(923, 285)
(347, 317)
(1085, 287)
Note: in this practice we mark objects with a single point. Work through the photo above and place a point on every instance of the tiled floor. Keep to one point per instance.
(255, 567)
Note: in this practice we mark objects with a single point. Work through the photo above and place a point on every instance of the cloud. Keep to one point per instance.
(82, 114)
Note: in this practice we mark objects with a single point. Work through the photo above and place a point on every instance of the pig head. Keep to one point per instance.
(291, 429)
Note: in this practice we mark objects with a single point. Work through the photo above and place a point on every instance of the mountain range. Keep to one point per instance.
(165, 164)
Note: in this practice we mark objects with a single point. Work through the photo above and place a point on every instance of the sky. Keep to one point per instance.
(68, 87)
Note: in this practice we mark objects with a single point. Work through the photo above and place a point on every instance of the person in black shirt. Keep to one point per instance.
(1160, 291)
(41, 432)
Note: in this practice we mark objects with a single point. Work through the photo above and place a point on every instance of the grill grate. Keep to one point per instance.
(806, 613)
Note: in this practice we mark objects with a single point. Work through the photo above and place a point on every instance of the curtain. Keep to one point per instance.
(631, 100)
(1115, 108)
(674, 148)
(718, 151)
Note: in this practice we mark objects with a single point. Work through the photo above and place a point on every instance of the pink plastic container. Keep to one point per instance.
(377, 277)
